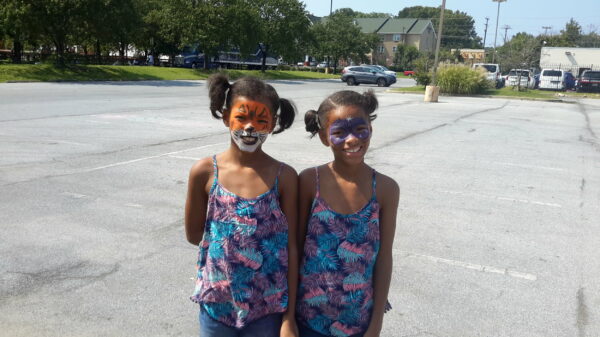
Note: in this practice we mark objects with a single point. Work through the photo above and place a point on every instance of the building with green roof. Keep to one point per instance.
(392, 32)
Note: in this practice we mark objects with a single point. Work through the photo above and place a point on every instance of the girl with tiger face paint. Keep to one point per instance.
(250, 123)
(241, 213)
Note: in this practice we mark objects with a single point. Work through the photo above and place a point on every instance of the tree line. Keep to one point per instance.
(276, 27)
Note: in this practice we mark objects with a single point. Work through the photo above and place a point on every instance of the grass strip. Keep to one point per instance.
(50, 73)
(513, 93)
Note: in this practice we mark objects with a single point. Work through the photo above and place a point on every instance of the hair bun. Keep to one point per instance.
(311, 120)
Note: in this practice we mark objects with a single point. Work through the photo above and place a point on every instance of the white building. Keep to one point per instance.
(572, 59)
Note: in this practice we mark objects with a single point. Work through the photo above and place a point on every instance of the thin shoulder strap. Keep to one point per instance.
(277, 177)
(215, 167)
(215, 174)
(318, 194)
(374, 184)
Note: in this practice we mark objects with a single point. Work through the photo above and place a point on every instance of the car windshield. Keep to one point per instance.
(592, 75)
(556, 73)
(489, 67)
(516, 73)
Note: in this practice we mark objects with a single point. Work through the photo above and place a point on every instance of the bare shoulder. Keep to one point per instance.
(307, 182)
(288, 172)
(201, 170)
(387, 188)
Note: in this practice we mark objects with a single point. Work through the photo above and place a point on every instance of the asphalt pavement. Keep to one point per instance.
(497, 235)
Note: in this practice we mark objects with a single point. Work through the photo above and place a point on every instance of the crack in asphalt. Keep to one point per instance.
(593, 141)
(84, 272)
(417, 133)
(582, 314)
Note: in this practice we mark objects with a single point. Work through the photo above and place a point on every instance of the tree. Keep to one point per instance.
(338, 37)
(16, 25)
(521, 52)
(405, 56)
(283, 27)
(572, 33)
(459, 27)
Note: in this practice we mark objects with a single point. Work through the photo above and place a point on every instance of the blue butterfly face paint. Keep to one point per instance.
(341, 129)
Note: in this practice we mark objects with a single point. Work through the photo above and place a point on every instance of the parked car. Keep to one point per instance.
(589, 81)
(409, 73)
(552, 79)
(525, 76)
(382, 68)
(493, 73)
(355, 75)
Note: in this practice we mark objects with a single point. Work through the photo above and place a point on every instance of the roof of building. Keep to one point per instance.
(391, 25)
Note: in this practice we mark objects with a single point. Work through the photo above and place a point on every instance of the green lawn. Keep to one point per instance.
(45, 72)
(509, 92)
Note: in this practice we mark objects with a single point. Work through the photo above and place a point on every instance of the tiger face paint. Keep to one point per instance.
(250, 122)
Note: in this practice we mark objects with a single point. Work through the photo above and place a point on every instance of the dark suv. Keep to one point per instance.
(355, 75)
(589, 81)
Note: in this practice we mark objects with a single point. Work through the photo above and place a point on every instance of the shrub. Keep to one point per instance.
(460, 79)
(422, 71)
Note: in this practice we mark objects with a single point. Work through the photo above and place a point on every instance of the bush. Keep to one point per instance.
(460, 79)
(422, 77)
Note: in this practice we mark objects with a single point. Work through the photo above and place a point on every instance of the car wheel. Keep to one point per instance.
(351, 81)
(381, 82)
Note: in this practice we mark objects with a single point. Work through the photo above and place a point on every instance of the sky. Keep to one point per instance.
(520, 15)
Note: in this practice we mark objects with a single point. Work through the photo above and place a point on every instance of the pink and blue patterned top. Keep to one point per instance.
(243, 258)
(335, 294)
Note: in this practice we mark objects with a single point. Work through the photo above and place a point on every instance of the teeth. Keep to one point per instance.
(353, 150)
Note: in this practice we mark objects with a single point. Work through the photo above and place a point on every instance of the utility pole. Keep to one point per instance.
(330, 7)
(485, 36)
(545, 28)
(496, 35)
(506, 28)
(439, 40)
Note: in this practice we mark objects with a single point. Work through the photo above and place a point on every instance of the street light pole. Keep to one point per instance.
(496, 35)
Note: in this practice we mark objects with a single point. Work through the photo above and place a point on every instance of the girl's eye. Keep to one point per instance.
(239, 118)
(262, 121)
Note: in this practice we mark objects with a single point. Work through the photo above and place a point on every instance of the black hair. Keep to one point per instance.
(222, 93)
(367, 101)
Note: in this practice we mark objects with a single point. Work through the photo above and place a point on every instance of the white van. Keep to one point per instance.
(552, 79)
(492, 72)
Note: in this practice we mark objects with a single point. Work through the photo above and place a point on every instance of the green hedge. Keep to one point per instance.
(460, 79)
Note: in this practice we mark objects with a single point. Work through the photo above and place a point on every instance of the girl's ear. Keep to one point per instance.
(225, 117)
(323, 137)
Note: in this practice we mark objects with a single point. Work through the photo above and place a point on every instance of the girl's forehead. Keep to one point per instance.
(347, 112)
(243, 100)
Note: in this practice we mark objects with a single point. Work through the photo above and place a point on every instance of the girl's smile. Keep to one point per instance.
(348, 132)
(250, 123)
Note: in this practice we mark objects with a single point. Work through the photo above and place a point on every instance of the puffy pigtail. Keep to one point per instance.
(218, 84)
(370, 104)
(287, 113)
(311, 120)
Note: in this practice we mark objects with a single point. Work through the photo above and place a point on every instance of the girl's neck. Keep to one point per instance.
(348, 172)
(244, 158)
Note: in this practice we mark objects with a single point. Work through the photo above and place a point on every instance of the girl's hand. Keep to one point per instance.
(289, 328)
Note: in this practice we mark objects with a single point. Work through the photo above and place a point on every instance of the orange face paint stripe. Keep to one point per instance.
(256, 113)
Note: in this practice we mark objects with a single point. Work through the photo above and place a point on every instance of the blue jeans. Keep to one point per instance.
(268, 326)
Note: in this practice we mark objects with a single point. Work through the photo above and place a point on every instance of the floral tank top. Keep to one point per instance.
(335, 294)
(243, 257)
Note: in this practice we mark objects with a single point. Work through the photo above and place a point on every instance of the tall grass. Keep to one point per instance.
(458, 79)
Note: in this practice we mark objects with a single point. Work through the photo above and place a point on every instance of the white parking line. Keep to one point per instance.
(473, 266)
(528, 166)
(150, 157)
(524, 201)
(184, 157)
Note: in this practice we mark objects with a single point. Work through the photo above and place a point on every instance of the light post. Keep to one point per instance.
(496, 35)
(432, 91)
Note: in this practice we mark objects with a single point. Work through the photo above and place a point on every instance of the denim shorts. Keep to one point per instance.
(268, 326)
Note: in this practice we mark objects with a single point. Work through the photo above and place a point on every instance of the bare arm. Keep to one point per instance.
(306, 194)
(197, 199)
(388, 197)
(288, 190)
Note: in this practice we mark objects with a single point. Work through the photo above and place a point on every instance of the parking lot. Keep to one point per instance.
(497, 235)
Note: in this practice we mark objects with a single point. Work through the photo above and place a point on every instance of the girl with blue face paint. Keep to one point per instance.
(241, 212)
(346, 220)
